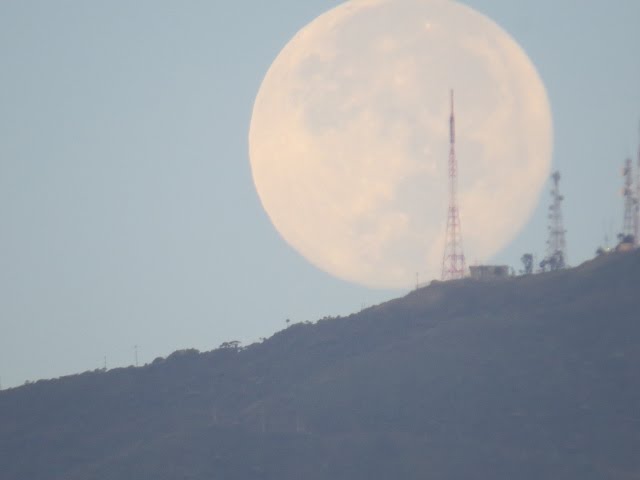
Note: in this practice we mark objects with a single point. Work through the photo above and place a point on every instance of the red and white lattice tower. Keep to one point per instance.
(628, 225)
(453, 263)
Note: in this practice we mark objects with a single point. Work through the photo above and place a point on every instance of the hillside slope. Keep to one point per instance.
(529, 378)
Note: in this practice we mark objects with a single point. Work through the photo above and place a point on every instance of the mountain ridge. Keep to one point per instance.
(528, 377)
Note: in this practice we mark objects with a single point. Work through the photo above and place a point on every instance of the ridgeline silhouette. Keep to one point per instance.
(530, 377)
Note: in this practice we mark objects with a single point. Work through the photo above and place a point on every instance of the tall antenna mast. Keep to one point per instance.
(556, 243)
(453, 263)
(628, 225)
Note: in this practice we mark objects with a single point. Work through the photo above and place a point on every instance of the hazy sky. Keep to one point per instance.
(128, 213)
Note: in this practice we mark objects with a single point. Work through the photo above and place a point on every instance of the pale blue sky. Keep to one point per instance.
(128, 214)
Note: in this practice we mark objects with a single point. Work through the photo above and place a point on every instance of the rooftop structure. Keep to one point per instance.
(489, 272)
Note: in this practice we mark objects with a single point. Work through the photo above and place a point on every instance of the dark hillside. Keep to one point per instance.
(531, 378)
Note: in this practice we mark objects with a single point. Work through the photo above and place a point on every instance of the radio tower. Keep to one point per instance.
(453, 264)
(629, 223)
(556, 244)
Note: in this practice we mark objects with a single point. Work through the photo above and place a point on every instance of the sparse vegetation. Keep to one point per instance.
(532, 377)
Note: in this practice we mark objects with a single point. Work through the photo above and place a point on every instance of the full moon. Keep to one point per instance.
(349, 138)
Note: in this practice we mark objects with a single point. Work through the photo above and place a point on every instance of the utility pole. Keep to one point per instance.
(299, 423)
(135, 350)
(214, 415)
(453, 262)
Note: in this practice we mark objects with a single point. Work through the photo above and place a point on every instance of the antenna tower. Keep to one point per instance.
(556, 244)
(453, 263)
(630, 203)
